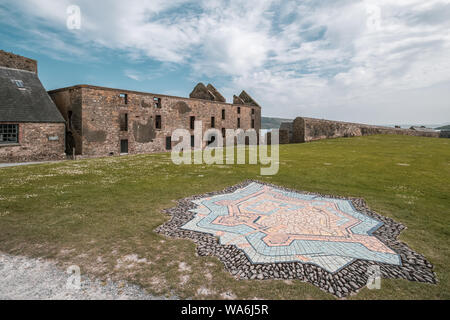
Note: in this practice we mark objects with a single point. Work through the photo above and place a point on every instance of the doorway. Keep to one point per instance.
(123, 146)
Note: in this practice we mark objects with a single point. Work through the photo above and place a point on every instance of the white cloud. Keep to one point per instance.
(373, 61)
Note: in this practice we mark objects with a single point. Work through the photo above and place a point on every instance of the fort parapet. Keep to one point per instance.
(309, 129)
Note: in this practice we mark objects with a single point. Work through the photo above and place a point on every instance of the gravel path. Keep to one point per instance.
(26, 278)
(7, 165)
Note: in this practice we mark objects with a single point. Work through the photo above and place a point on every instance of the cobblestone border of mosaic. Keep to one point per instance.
(346, 281)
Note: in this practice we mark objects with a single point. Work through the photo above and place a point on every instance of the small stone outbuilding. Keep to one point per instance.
(31, 127)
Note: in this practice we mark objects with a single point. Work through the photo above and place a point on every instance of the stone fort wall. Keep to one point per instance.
(309, 129)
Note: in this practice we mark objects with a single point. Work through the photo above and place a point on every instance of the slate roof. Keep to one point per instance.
(29, 104)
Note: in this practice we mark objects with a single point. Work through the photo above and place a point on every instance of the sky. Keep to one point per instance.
(374, 61)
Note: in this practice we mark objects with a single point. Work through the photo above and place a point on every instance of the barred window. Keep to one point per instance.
(9, 133)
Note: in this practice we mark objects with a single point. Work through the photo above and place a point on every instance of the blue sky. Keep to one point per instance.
(374, 61)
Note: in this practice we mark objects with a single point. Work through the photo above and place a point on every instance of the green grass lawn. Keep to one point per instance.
(100, 213)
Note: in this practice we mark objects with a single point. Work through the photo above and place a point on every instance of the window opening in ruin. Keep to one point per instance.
(223, 132)
(124, 122)
(124, 96)
(213, 122)
(253, 123)
(9, 133)
(223, 114)
(158, 122)
(238, 122)
(253, 111)
(192, 141)
(192, 124)
(168, 143)
(157, 102)
(239, 110)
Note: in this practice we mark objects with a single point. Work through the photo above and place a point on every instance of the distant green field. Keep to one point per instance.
(100, 213)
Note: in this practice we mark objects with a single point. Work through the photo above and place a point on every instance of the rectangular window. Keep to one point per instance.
(157, 102)
(223, 132)
(213, 122)
(192, 124)
(192, 141)
(9, 133)
(253, 123)
(158, 122)
(19, 83)
(123, 146)
(223, 114)
(253, 111)
(239, 110)
(239, 122)
(168, 143)
(124, 97)
(124, 122)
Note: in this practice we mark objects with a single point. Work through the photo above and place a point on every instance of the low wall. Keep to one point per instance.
(37, 142)
(284, 136)
(445, 134)
(309, 129)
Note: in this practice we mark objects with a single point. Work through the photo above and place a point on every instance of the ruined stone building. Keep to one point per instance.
(92, 121)
(31, 127)
(105, 121)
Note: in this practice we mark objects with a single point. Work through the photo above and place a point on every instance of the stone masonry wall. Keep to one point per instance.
(69, 105)
(308, 129)
(102, 109)
(34, 143)
(10, 60)
(444, 134)
(284, 136)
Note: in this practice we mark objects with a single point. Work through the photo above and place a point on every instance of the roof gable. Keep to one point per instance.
(31, 103)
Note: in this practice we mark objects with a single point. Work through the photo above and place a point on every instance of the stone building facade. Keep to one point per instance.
(104, 121)
(36, 142)
(31, 127)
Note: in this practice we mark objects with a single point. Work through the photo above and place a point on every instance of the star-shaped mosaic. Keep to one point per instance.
(262, 231)
(271, 226)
